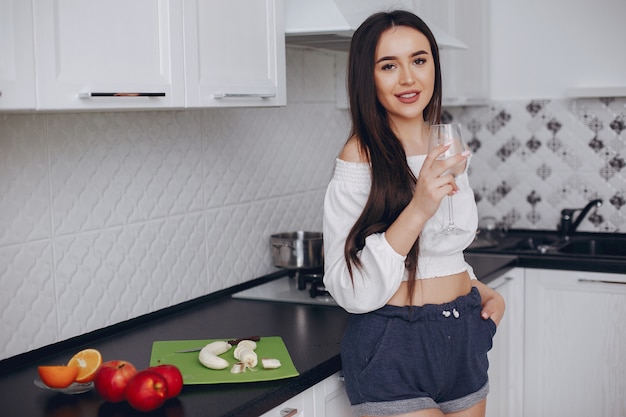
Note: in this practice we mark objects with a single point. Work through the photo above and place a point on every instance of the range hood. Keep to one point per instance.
(329, 24)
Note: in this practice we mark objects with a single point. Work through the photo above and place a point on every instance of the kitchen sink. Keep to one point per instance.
(542, 243)
(539, 244)
(596, 246)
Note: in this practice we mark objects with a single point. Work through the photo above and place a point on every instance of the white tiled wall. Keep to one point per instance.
(107, 216)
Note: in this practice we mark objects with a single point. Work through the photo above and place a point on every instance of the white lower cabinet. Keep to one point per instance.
(302, 405)
(325, 399)
(506, 358)
(560, 348)
(331, 399)
(575, 344)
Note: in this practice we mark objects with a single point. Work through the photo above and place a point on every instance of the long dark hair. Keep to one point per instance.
(393, 182)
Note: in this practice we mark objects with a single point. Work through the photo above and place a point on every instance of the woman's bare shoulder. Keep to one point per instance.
(352, 151)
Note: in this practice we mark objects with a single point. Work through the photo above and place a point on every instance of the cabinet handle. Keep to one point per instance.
(506, 279)
(90, 94)
(600, 281)
(288, 412)
(243, 95)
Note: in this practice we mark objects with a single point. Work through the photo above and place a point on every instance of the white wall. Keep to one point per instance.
(110, 215)
(541, 48)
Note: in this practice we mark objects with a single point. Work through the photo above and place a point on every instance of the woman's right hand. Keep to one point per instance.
(435, 180)
(432, 185)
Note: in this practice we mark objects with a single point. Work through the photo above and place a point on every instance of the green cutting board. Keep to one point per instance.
(163, 352)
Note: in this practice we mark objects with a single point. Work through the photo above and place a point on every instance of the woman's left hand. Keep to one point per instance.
(492, 303)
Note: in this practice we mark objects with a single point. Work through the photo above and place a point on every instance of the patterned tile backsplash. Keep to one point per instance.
(532, 159)
(108, 216)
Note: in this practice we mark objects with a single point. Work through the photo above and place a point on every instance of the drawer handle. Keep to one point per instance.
(600, 281)
(288, 412)
(119, 94)
(243, 95)
(506, 279)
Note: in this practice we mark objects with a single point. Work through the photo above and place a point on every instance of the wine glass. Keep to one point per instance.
(444, 134)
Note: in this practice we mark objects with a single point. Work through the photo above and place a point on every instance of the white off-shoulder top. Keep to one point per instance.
(383, 268)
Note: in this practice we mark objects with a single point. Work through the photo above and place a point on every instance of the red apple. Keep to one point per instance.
(173, 377)
(146, 391)
(111, 379)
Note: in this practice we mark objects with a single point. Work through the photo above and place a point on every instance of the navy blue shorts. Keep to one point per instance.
(401, 359)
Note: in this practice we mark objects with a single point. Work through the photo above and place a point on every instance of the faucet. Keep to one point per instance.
(568, 227)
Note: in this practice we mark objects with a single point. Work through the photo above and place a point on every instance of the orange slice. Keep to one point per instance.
(57, 376)
(88, 361)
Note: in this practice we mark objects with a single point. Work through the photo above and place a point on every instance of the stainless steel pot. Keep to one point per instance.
(298, 250)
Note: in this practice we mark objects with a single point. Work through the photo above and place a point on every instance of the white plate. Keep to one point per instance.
(74, 388)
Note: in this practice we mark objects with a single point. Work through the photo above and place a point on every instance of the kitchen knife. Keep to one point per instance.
(232, 342)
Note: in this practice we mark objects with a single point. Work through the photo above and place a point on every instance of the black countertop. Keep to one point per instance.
(513, 243)
(311, 333)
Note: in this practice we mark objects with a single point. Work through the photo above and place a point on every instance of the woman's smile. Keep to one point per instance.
(409, 97)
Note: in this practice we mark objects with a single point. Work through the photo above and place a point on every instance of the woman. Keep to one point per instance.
(422, 324)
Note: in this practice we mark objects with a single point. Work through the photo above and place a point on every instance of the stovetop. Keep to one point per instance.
(287, 289)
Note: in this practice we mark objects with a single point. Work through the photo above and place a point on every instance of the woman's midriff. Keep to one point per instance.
(433, 290)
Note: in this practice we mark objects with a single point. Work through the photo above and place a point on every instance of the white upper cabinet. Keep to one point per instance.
(17, 66)
(101, 55)
(557, 48)
(466, 75)
(465, 72)
(142, 54)
(235, 53)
